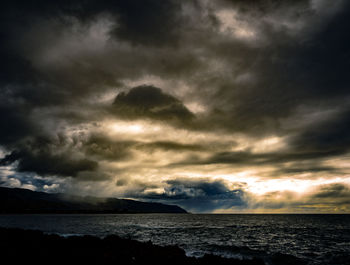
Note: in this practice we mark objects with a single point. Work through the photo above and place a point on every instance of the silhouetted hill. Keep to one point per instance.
(13, 200)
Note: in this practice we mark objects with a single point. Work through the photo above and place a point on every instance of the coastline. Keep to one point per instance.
(20, 246)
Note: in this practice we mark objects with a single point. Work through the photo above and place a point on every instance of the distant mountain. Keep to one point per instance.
(13, 200)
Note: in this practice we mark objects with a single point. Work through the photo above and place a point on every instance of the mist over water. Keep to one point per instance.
(316, 239)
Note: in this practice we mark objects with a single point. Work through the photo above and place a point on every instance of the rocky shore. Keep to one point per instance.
(34, 247)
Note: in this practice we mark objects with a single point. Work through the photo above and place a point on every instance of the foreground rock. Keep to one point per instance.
(34, 247)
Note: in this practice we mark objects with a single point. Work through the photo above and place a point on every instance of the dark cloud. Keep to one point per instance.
(285, 71)
(258, 68)
(23, 23)
(291, 70)
(328, 136)
(325, 139)
(150, 18)
(330, 192)
(245, 158)
(149, 22)
(171, 146)
(150, 102)
(103, 148)
(45, 163)
(46, 157)
(15, 125)
(199, 195)
(36, 100)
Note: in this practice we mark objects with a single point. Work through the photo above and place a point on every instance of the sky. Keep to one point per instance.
(226, 106)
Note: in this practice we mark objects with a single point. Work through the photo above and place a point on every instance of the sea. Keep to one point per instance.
(307, 239)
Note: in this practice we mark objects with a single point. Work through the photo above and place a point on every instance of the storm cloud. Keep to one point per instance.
(150, 102)
(200, 195)
(178, 100)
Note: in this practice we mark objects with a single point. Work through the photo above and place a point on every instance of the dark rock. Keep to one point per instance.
(27, 247)
(285, 259)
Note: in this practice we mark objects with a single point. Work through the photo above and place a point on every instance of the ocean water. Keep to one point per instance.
(314, 239)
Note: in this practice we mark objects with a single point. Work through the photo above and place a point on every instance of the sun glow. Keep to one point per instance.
(133, 127)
